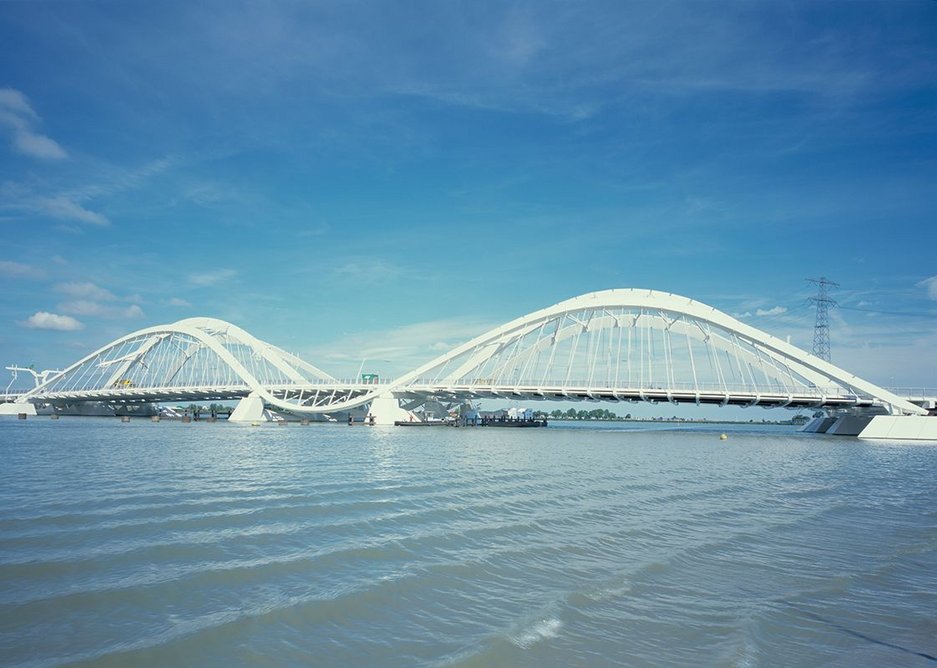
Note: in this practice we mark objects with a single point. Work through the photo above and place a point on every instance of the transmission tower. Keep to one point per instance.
(821, 330)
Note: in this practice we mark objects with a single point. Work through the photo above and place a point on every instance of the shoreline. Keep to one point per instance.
(785, 423)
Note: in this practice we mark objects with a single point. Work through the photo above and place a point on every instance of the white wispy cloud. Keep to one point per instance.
(10, 269)
(19, 117)
(15, 101)
(112, 179)
(132, 311)
(775, 310)
(395, 350)
(209, 278)
(369, 270)
(46, 320)
(314, 230)
(930, 285)
(176, 301)
(84, 290)
(571, 62)
(87, 297)
(38, 146)
(62, 207)
(85, 307)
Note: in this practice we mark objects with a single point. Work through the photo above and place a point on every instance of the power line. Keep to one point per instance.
(821, 329)
(907, 314)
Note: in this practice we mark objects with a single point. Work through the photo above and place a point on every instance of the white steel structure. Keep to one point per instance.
(192, 359)
(633, 344)
(613, 345)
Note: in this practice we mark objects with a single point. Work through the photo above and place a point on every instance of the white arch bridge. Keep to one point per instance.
(613, 345)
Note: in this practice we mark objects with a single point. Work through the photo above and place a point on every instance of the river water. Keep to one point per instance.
(172, 544)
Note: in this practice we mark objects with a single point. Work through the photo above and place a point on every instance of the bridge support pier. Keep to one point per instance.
(839, 425)
(249, 409)
(24, 408)
(386, 410)
(902, 428)
(849, 425)
(889, 427)
(818, 425)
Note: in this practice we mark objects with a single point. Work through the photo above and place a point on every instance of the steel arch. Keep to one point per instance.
(777, 358)
(104, 369)
(523, 356)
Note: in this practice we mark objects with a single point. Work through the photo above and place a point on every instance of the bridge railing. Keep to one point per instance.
(914, 392)
(746, 388)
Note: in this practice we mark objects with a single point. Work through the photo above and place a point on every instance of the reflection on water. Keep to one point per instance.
(209, 544)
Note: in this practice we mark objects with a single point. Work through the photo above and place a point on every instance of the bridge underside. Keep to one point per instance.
(766, 400)
(301, 397)
(325, 399)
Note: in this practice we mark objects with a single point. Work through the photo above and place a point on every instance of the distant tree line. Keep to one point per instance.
(211, 408)
(605, 414)
(595, 414)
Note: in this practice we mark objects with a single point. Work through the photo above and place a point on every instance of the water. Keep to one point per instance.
(201, 544)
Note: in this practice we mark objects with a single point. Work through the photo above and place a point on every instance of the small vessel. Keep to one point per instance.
(421, 423)
(514, 423)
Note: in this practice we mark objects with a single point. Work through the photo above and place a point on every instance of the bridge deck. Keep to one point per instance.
(320, 394)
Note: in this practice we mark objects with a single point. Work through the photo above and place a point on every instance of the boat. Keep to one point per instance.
(513, 423)
(421, 423)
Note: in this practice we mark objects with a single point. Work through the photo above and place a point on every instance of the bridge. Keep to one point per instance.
(612, 345)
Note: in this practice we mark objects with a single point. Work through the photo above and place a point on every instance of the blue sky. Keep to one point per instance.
(386, 180)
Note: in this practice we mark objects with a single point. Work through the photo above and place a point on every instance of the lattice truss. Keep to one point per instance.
(199, 352)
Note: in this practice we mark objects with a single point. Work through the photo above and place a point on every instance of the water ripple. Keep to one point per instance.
(139, 545)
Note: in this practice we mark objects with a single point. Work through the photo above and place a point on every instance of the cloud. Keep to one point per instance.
(38, 146)
(15, 101)
(175, 301)
(45, 320)
(64, 208)
(776, 310)
(369, 270)
(214, 277)
(10, 269)
(91, 308)
(82, 307)
(69, 229)
(87, 298)
(115, 179)
(84, 290)
(398, 349)
(314, 230)
(17, 114)
(929, 284)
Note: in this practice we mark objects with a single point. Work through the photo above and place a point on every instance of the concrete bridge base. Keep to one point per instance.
(818, 425)
(896, 427)
(17, 409)
(386, 410)
(902, 428)
(849, 425)
(841, 425)
(249, 409)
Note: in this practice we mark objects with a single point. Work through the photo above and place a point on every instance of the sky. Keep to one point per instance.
(376, 182)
